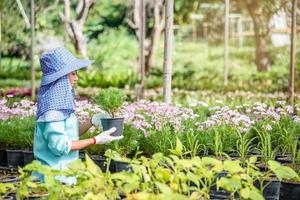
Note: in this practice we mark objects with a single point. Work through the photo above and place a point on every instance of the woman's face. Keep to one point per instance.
(73, 78)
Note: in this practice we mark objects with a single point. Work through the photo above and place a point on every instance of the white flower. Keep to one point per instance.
(267, 127)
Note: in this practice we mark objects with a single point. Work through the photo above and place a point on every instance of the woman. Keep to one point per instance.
(57, 131)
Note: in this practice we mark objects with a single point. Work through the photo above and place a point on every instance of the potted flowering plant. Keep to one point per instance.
(110, 100)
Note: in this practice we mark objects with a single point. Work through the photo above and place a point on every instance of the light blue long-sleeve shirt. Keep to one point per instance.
(53, 142)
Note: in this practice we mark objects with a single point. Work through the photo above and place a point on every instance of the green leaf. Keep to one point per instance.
(91, 166)
(282, 172)
(164, 188)
(179, 148)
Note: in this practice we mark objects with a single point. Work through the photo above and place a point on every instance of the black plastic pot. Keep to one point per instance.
(283, 159)
(9, 179)
(289, 191)
(38, 196)
(3, 158)
(271, 191)
(15, 158)
(28, 157)
(220, 195)
(108, 123)
(121, 166)
(101, 162)
(10, 197)
(82, 155)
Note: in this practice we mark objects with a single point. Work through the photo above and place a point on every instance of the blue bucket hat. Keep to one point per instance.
(55, 93)
(58, 63)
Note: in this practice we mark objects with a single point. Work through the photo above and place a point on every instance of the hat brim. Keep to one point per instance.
(75, 65)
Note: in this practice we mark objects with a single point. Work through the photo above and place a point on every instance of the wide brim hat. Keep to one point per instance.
(58, 63)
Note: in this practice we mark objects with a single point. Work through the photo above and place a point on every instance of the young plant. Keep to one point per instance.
(110, 100)
(244, 146)
(218, 143)
(265, 146)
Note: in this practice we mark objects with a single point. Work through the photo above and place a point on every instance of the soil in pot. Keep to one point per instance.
(3, 158)
(14, 158)
(108, 123)
(28, 157)
(262, 166)
(272, 189)
(290, 191)
(283, 159)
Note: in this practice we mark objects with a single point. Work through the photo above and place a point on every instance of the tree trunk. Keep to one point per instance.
(226, 40)
(261, 23)
(75, 27)
(293, 52)
(158, 24)
(262, 59)
(79, 39)
(167, 89)
(142, 31)
(32, 24)
(0, 39)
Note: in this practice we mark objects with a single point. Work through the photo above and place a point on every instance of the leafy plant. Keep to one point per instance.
(265, 146)
(17, 133)
(244, 146)
(110, 100)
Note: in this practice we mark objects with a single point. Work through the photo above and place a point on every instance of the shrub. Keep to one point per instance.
(17, 133)
(110, 100)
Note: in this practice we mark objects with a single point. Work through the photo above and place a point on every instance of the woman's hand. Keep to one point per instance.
(105, 137)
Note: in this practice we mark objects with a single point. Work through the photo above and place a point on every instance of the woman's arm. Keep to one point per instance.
(85, 126)
(81, 144)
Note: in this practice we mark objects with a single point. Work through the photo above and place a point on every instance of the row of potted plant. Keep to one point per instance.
(152, 127)
(159, 177)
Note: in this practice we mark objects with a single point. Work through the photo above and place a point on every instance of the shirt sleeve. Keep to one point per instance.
(59, 142)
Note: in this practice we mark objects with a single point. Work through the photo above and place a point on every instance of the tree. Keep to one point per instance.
(134, 21)
(75, 26)
(167, 89)
(261, 13)
(293, 51)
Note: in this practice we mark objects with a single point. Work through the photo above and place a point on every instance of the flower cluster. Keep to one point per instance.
(145, 115)
(24, 108)
(244, 116)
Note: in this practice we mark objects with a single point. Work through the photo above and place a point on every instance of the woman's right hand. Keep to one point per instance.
(105, 137)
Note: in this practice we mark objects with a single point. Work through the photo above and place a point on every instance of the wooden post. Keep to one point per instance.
(205, 36)
(226, 38)
(168, 52)
(32, 50)
(240, 30)
(66, 18)
(142, 49)
(194, 24)
(0, 38)
(293, 52)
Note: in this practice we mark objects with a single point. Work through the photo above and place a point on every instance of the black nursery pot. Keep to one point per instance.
(3, 158)
(14, 158)
(108, 123)
(9, 179)
(122, 166)
(289, 191)
(271, 191)
(101, 162)
(28, 157)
